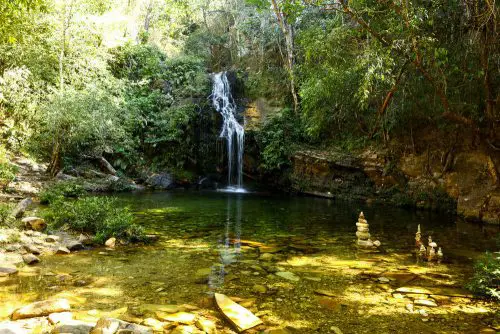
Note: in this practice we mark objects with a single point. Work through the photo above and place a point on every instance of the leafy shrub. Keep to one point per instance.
(276, 140)
(100, 216)
(60, 190)
(7, 170)
(5, 210)
(486, 279)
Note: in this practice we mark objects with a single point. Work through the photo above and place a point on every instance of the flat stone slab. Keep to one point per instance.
(424, 302)
(40, 309)
(241, 318)
(325, 293)
(288, 276)
(179, 317)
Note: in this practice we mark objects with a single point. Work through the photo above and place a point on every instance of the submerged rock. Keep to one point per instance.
(288, 276)
(237, 315)
(179, 317)
(42, 308)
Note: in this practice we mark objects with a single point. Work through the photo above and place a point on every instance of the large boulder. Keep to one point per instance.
(40, 309)
(21, 207)
(163, 181)
(34, 223)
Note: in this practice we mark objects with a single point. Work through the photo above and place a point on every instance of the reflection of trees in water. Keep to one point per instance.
(229, 246)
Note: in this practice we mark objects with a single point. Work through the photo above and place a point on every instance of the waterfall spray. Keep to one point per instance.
(231, 130)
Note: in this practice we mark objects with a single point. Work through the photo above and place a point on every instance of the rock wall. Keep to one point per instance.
(469, 186)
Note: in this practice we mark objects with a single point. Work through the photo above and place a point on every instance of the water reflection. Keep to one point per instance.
(229, 245)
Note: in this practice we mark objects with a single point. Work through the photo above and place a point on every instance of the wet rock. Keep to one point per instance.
(74, 245)
(424, 302)
(112, 326)
(151, 308)
(111, 242)
(179, 317)
(7, 271)
(34, 223)
(241, 318)
(55, 318)
(42, 308)
(277, 331)
(52, 238)
(383, 280)
(207, 326)
(288, 276)
(30, 259)
(325, 293)
(21, 207)
(259, 288)
(155, 324)
(63, 250)
(164, 181)
(73, 327)
(84, 239)
(32, 249)
(335, 330)
(266, 257)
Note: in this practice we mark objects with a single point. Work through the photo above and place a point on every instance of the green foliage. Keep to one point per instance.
(60, 190)
(7, 170)
(100, 216)
(486, 278)
(80, 123)
(5, 210)
(276, 140)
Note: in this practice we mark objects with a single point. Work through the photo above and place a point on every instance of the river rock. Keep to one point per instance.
(424, 302)
(30, 259)
(112, 326)
(164, 181)
(179, 317)
(32, 249)
(288, 276)
(259, 288)
(52, 238)
(34, 223)
(208, 326)
(237, 315)
(157, 325)
(111, 242)
(12, 327)
(7, 271)
(63, 250)
(73, 327)
(74, 245)
(55, 318)
(21, 207)
(42, 308)
(186, 330)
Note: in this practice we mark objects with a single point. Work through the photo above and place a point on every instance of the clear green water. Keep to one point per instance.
(210, 242)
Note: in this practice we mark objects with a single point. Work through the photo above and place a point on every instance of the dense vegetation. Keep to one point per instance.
(129, 79)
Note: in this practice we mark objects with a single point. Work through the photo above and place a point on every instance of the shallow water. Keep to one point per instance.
(214, 242)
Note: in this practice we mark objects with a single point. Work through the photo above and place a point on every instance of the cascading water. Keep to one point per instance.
(232, 130)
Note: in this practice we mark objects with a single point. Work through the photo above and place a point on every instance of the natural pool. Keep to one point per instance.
(240, 244)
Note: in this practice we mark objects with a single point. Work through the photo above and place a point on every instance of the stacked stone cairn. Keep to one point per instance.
(427, 253)
(363, 234)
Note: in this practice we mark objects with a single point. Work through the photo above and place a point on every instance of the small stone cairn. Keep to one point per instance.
(363, 234)
(427, 253)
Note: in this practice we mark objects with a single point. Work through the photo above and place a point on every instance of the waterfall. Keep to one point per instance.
(232, 130)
